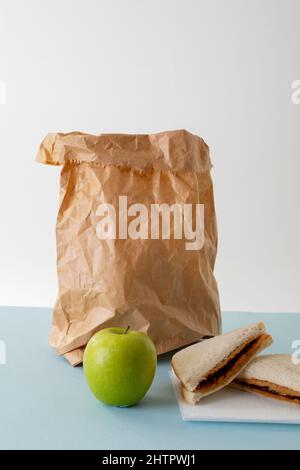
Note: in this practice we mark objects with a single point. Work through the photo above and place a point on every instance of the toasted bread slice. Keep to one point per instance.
(273, 376)
(208, 366)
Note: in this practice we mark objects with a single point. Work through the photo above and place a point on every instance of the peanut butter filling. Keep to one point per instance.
(269, 389)
(232, 365)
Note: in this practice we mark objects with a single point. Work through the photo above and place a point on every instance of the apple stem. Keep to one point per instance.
(126, 330)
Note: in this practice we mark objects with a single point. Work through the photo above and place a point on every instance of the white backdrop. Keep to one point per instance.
(221, 69)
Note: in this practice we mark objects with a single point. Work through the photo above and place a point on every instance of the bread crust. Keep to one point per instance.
(195, 363)
(225, 361)
(277, 369)
(240, 361)
(268, 389)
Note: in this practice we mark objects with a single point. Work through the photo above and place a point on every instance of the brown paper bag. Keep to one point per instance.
(113, 269)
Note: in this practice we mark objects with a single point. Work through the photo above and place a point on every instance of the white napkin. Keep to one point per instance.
(230, 404)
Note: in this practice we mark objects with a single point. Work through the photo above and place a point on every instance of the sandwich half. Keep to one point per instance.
(210, 365)
(272, 375)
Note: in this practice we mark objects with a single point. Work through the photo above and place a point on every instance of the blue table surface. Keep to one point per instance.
(45, 403)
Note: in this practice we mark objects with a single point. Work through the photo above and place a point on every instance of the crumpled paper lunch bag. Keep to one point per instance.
(152, 285)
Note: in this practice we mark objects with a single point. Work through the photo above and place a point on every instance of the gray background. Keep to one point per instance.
(221, 69)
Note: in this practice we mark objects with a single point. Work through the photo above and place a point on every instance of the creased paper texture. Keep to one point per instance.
(153, 285)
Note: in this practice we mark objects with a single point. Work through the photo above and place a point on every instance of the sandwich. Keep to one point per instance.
(210, 365)
(272, 375)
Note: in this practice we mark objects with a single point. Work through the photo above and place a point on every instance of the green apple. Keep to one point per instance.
(119, 365)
